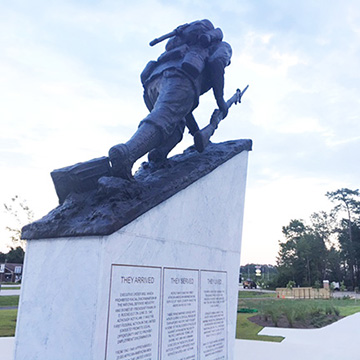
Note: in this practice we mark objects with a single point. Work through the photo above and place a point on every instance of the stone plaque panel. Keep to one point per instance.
(180, 314)
(134, 313)
(213, 304)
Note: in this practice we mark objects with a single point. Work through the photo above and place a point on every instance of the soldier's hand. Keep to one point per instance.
(223, 108)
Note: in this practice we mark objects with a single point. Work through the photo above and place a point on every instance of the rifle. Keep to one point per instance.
(177, 31)
(202, 137)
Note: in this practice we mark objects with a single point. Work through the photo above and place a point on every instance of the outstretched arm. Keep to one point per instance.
(217, 63)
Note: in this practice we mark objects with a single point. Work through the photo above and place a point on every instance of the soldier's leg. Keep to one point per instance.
(160, 153)
(123, 156)
(175, 100)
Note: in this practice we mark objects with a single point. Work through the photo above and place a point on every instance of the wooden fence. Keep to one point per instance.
(302, 293)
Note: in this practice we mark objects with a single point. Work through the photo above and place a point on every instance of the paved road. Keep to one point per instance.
(9, 292)
(341, 294)
(8, 307)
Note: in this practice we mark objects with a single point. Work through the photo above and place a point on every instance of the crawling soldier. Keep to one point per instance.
(193, 63)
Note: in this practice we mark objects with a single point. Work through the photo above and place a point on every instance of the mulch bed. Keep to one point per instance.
(298, 324)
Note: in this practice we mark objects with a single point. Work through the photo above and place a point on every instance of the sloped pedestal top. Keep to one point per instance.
(117, 202)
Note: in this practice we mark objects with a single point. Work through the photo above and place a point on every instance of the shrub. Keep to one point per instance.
(336, 311)
(315, 309)
(329, 309)
(275, 315)
(319, 320)
(290, 284)
(301, 311)
(290, 313)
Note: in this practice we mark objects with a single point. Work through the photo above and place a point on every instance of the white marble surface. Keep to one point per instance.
(65, 295)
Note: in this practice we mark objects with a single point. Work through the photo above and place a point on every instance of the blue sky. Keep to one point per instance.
(70, 89)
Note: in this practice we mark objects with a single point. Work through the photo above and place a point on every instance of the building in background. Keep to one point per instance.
(10, 272)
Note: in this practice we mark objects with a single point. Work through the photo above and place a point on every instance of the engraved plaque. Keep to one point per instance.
(134, 313)
(213, 315)
(180, 314)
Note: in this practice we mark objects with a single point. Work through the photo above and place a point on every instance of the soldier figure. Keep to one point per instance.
(193, 63)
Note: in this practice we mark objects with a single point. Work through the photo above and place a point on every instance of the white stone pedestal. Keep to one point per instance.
(162, 287)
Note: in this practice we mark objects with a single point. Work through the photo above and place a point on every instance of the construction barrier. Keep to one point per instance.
(302, 293)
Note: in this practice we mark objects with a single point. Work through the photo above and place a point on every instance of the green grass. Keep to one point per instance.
(10, 283)
(255, 294)
(8, 317)
(245, 329)
(349, 310)
(9, 300)
(7, 322)
(346, 306)
(10, 288)
(293, 310)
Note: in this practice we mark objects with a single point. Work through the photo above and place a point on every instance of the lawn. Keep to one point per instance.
(245, 329)
(9, 300)
(8, 316)
(290, 313)
(10, 283)
(7, 322)
(10, 288)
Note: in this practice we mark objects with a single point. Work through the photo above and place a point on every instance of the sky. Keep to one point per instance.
(70, 89)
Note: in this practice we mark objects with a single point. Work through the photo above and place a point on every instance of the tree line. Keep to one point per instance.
(328, 248)
(14, 255)
(18, 214)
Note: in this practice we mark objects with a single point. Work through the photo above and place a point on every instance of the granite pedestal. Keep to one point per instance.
(164, 286)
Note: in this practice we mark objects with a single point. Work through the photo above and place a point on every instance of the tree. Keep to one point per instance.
(15, 255)
(324, 225)
(347, 201)
(20, 215)
(302, 257)
(350, 251)
(327, 249)
(335, 269)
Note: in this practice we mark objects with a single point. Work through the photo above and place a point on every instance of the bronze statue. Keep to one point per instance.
(193, 63)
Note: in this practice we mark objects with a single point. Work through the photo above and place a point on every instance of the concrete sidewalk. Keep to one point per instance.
(7, 348)
(336, 341)
(333, 342)
(9, 292)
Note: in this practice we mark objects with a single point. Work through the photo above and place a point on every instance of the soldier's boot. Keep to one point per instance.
(123, 156)
(160, 153)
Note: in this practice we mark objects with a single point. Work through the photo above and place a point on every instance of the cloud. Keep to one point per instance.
(70, 89)
(271, 205)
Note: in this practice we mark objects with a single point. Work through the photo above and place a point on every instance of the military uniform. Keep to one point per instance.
(192, 64)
